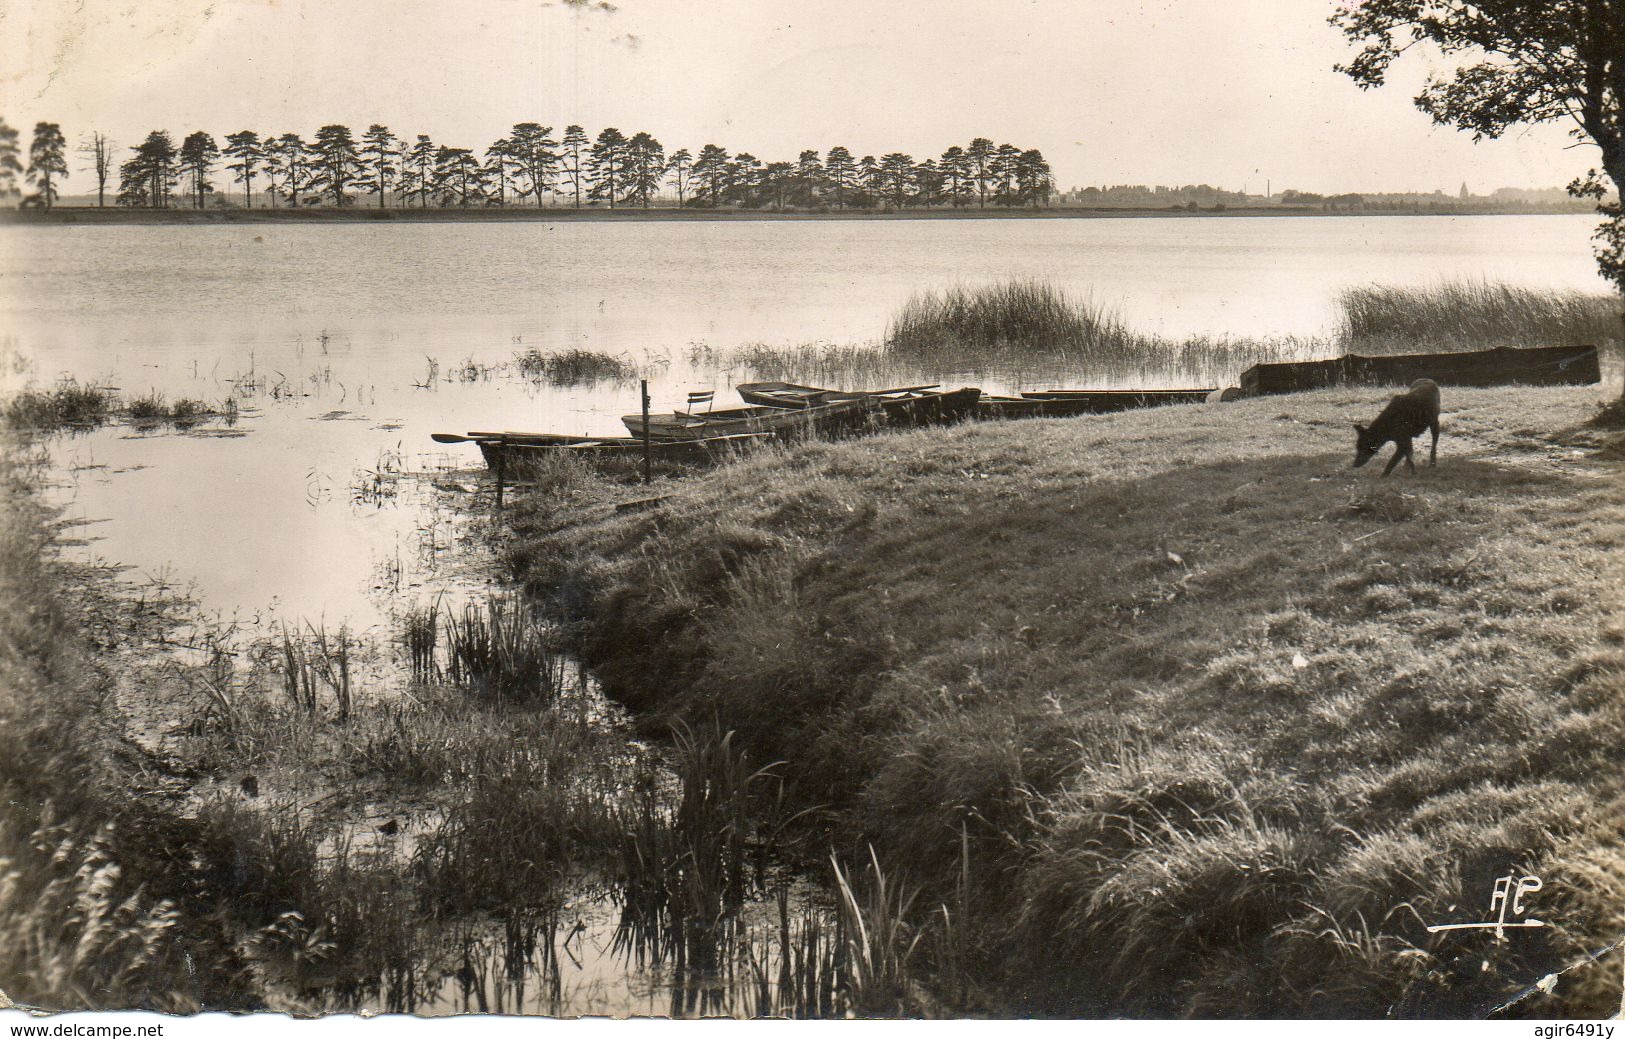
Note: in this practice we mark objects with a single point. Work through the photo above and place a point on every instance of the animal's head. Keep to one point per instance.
(1366, 445)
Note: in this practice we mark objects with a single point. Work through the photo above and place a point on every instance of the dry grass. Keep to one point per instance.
(1216, 708)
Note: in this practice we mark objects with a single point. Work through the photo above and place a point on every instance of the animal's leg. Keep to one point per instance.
(1399, 452)
(1433, 452)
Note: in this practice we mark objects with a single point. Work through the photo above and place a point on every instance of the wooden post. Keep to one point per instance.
(502, 461)
(648, 453)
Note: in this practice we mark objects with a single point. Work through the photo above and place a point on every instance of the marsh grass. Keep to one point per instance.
(69, 403)
(1024, 316)
(75, 934)
(420, 636)
(315, 660)
(95, 909)
(878, 939)
(688, 868)
(1473, 315)
(574, 367)
(502, 651)
(1025, 332)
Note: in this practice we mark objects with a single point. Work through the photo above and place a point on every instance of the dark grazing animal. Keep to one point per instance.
(1406, 416)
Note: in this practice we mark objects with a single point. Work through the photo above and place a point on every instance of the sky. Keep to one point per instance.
(1234, 93)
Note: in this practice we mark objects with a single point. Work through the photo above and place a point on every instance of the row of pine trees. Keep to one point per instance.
(531, 167)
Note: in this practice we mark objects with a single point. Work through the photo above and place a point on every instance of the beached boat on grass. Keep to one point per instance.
(832, 419)
(515, 453)
(900, 407)
(1065, 403)
(1100, 402)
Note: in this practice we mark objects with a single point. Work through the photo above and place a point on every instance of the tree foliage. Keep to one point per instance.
(148, 177)
(10, 164)
(247, 153)
(47, 160)
(1509, 63)
(528, 166)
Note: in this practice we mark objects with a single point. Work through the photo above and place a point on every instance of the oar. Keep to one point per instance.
(904, 389)
(454, 438)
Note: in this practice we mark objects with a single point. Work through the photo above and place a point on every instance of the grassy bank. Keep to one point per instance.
(1166, 712)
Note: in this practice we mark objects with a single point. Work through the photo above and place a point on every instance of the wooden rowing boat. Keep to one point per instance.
(518, 454)
(795, 395)
(1066, 403)
(901, 407)
(1100, 402)
(1502, 366)
(789, 423)
(518, 451)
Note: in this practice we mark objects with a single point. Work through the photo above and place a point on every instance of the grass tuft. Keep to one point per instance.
(70, 403)
(574, 367)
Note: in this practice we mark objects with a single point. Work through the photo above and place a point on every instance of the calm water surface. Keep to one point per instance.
(336, 324)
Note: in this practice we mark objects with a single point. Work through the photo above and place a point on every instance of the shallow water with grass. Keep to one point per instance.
(452, 814)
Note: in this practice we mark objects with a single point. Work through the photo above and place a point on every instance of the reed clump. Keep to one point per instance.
(688, 867)
(574, 367)
(1014, 318)
(502, 651)
(1472, 315)
(69, 403)
(314, 661)
(420, 636)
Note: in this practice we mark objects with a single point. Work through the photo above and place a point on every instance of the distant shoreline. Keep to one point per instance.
(92, 215)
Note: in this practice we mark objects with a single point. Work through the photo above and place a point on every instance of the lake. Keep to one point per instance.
(322, 501)
(339, 341)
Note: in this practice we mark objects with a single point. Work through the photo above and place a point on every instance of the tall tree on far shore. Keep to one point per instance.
(604, 165)
(47, 160)
(10, 164)
(419, 164)
(499, 168)
(98, 151)
(458, 177)
(678, 167)
(873, 180)
(148, 177)
(574, 144)
(1004, 174)
(198, 155)
(897, 178)
(928, 182)
(534, 151)
(337, 163)
(1033, 178)
(380, 160)
(809, 176)
(838, 167)
(711, 171)
(645, 166)
(247, 153)
(744, 179)
(778, 181)
(956, 175)
(979, 162)
(288, 159)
